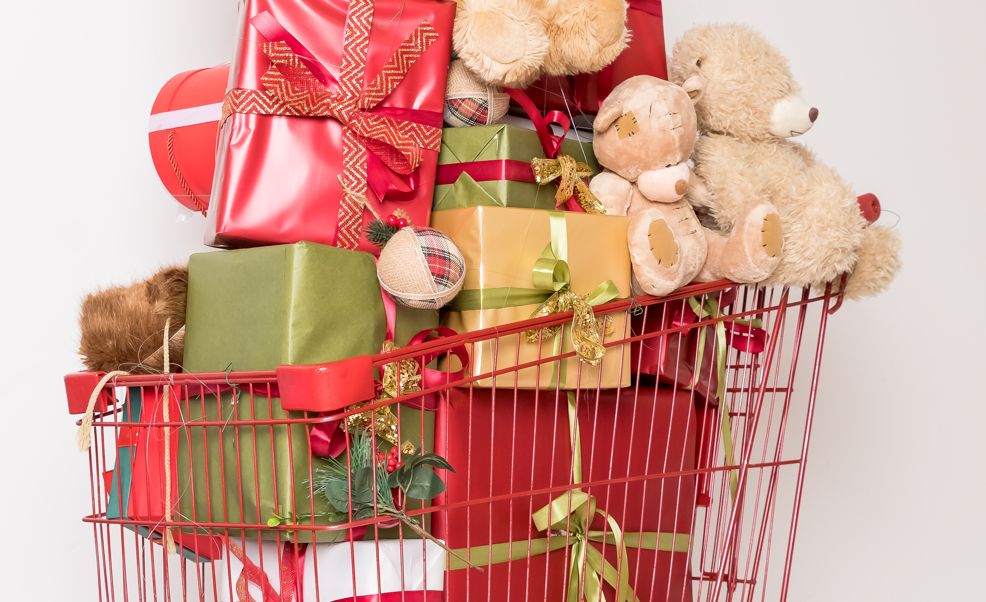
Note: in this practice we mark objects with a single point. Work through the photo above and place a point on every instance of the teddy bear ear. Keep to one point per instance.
(694, 86)
(608, 113)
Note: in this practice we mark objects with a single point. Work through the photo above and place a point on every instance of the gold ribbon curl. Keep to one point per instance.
(570, 175)
(399, 378)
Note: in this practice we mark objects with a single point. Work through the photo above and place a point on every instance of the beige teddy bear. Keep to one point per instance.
(645, 132)
(748, 109)
(511, 42)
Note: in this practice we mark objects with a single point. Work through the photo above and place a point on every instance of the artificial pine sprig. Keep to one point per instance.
(379, 233)
(414, 476)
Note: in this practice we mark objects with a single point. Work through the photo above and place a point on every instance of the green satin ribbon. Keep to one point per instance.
(572, 512)
(706, 311)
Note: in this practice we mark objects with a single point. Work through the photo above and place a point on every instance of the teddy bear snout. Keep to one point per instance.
(664, 185)
(791, 117)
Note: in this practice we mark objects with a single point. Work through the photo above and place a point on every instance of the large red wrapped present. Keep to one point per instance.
(519, 445)
(585, 92)
(332, 116)
(182, 133)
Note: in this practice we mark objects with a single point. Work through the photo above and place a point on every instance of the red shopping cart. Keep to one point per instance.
(683, 482)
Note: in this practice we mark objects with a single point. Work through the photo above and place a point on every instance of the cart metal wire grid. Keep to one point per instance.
(674, 493)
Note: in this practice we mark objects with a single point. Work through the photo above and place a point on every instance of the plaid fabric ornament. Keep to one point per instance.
(421, 267)
(470, 101)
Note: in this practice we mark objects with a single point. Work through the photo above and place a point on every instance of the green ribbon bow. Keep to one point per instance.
(551, 273)
(571, 513)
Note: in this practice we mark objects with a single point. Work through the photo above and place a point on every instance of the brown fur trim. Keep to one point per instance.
(123, 326)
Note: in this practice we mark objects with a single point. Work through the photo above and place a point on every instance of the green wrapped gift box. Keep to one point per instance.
(489, 166)
(256, 309)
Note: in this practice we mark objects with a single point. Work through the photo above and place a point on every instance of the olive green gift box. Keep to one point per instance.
(502, 149)
(256, 309)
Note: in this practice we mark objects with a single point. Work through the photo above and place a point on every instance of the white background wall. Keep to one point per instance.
(895, 485)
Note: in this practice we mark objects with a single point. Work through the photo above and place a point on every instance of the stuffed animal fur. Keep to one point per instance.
(748, 109)
(511, 42)
(645, 132)
(123, 326)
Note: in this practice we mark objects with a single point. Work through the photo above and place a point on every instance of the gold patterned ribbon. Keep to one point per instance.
(290, 88)
(571, 514)
(569, 174)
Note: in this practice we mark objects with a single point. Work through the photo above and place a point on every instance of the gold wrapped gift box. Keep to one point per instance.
(501, 247)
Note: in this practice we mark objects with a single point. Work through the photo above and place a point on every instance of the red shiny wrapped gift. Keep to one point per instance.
(510, 444)
(333, 115)
(585, 92)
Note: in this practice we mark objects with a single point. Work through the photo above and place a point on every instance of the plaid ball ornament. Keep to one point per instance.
(421, 268)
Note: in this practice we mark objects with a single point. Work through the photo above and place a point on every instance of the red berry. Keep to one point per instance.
(392, 462)
(393, 451)
(391, 220)
(401, 223)
(390, 469)
(399, 464)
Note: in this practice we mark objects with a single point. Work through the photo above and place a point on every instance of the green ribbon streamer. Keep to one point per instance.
(710, 310)
(572, 512)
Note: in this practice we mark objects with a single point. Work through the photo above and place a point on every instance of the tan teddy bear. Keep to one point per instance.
(645, 132)
(748, 109)
(511, 42)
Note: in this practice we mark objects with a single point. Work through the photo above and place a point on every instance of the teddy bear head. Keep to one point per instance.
(645, 133)
(747, 88)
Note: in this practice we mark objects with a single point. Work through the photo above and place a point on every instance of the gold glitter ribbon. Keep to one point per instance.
(399, 378)
(569, 174)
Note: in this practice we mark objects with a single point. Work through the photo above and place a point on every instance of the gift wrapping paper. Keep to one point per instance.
(504, 442)
(332, 114)
(501, 246)
(325, 571)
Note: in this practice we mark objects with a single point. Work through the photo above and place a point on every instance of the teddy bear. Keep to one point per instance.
(747, 113)
(123, 326)
(644, 134)
(511, 42)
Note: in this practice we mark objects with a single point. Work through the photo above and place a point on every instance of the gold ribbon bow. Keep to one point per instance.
(569, 174)
(291, 89)
(399, 378)
(551, 273)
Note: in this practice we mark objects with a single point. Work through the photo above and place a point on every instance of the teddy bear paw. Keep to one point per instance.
(654, 253)
(586, 35)
(503, 43)
(771, 235)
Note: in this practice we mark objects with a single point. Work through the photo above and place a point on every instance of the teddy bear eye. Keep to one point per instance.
(667, 166)
(698, 63)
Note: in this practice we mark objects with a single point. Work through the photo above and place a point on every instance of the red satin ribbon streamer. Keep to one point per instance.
(292, 568)
(741, 337)
(486, 171)
(412, 596)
